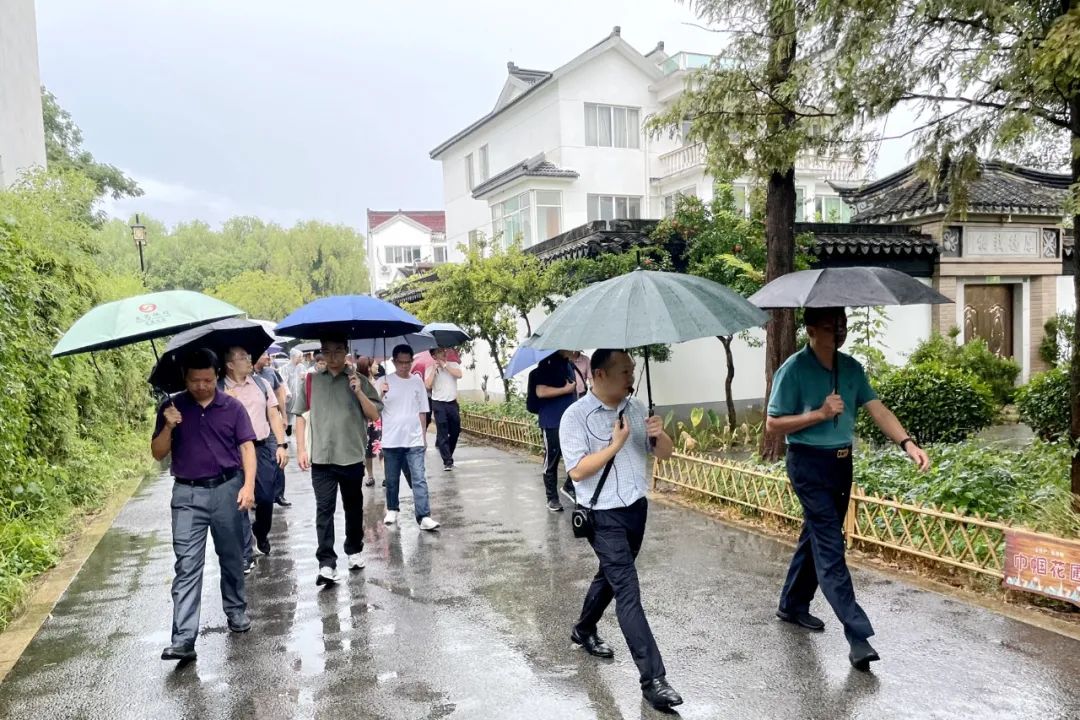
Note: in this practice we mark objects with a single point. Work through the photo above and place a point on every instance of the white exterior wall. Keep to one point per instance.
(1066, 297)
(22, 135)
(518, 134)
(398, 231)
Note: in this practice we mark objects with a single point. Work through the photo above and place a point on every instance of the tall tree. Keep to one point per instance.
(989, 78)
(755, 108)
(470, 294)
(64, 151)
(260, 294)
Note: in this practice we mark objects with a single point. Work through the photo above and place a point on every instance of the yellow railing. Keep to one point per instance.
(930, 533)
(522, 434)
(971, 543)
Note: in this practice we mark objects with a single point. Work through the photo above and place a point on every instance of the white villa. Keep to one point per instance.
(562, 164)
(401, 243)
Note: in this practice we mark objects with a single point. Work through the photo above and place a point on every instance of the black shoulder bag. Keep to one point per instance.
(581, 520)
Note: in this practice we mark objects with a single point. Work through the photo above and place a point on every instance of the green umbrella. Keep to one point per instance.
(645, 307)
(139, 318)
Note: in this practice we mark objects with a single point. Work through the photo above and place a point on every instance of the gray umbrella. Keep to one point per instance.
(642, 308)
(845, 287)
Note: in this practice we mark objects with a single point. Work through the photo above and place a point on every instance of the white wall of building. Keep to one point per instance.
(22, 136)
(1066, 294)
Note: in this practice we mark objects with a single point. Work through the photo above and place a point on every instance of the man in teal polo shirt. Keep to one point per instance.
(818, 419)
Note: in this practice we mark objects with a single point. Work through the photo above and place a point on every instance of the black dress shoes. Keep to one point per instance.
(239, 622)
(804, 619)
(660, 695)
(592, 644)
(183, 653)
(862, 653)
(282, 501)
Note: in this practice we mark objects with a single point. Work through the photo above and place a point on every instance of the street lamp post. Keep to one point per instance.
(138, 234)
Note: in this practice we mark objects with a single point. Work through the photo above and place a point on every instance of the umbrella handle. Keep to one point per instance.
(648, 388)
(836, 370)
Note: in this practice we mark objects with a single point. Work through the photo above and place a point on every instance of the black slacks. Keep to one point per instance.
(616, 541)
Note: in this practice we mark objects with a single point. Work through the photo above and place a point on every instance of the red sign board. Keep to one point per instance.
(1042, 564)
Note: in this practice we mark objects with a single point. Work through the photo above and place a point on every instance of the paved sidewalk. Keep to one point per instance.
(473, 622)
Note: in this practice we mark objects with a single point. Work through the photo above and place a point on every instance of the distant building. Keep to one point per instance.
(401, 243)
(22, 135)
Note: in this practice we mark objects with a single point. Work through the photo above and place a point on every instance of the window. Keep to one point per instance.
(800, 205)
(476, 239)
(548, 214)
(484, 169)
(739, 194)
(614, 207)
(402, 254)
(510, 221)
(672, 201)
(831, 209)
(439, 254)
(611, 126)
(470, 180)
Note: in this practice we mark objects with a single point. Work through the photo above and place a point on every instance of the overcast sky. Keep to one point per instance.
(293, 110)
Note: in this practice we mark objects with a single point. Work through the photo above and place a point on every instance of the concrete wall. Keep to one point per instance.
(22, 136)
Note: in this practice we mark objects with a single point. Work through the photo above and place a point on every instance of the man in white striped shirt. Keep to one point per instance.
(608, 425)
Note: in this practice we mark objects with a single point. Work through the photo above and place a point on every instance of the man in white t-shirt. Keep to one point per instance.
(404, 439)
(441, 378)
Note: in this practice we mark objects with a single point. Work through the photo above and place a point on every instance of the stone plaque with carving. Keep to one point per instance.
(1050, 242)
(1002, 242)
(951, 241)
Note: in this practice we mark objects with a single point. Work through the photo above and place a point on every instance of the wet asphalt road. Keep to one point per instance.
(473, 622)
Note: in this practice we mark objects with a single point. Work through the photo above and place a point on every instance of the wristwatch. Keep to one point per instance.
(903, 443)
(283, 444)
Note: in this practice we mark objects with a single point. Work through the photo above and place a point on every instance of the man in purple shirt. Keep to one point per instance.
(213, 461)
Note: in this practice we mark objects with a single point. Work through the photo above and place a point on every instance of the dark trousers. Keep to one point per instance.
(616, 541)
(823, 483)
(552, 455)
(326, 480)
(447, 429)
(265, 467)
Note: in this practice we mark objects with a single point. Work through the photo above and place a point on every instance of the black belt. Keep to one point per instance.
(260, 443)
(209, 482)
(839, 453)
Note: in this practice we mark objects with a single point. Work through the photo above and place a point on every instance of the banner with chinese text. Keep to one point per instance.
(1042, 564)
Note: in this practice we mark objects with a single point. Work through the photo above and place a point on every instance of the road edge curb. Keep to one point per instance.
(51, 585)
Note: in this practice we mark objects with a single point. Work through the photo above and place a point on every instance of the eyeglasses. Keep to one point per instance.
(403, 362)
(335, 353)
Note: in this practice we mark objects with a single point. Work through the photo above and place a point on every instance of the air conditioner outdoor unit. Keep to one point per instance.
(384, 270)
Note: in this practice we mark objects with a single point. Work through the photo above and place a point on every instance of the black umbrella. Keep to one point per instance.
(217, 336)
(845, 287)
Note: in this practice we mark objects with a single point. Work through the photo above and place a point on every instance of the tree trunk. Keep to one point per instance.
(1074, 364)
(779, 207)
(726, 340)
(528, 325)
(493, 349)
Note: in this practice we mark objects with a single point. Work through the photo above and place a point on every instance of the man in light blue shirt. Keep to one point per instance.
(815, 408)
(608, 425)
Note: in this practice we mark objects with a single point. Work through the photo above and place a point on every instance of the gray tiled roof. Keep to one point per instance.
(535, 166)
(866, 240)
(999, 188)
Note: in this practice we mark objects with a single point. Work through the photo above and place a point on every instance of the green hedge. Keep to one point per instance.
(69, 432)
(933, 402)
(997, 373)
(1044, 403)
(513, 409)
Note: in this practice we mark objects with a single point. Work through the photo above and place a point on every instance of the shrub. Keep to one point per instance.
(1029, 486)
(513, 409)
(998, 373)
(1044, 403)
(935, 403)
(1056, 345)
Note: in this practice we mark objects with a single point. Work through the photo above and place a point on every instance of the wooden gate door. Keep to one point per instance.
(988, 315)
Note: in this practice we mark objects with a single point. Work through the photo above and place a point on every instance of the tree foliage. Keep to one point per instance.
(308, 260)
(64, 151)
(260, 294)
(475, 294)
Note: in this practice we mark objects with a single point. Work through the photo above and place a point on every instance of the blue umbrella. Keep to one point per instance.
(524, 358)
(353, 317)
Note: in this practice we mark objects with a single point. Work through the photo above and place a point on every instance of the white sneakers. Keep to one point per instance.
(391, 517)
(327, 576)
(428, 524)
(356, 562)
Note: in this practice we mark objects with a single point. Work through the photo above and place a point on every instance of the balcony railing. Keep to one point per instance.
(685, 61)
(832, 168)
